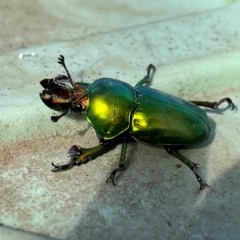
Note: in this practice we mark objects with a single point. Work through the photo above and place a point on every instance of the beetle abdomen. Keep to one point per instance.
(164, 119)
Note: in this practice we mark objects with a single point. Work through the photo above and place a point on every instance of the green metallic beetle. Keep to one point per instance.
(119, 112)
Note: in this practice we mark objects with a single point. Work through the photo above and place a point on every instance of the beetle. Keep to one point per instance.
(120, 112)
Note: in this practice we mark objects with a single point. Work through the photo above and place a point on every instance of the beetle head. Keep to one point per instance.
(59, 96)
(63, 97)
(56, 95)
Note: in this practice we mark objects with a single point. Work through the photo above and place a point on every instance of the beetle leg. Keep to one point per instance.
(148, 77)
(121, 163)
(189, 163)
(214, 105)
(56, 118)
(81, 155)
(64, 167)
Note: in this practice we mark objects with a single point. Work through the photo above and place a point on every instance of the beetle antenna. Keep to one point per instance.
(61, 61)
(56, 118)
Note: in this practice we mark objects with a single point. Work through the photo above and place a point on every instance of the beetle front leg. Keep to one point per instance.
(81, 155)
(214, 105)
(189, 163)
(121, 163)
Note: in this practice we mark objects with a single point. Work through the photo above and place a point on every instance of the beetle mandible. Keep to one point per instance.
(119, 112)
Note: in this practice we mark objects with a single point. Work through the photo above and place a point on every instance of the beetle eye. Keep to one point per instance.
(79, 108)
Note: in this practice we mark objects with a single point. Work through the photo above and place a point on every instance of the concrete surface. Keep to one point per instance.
(195, 47)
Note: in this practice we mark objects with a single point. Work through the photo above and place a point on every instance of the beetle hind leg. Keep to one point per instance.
(214, 105)
(189, 163)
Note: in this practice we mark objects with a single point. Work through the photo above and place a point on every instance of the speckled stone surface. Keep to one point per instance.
(195, 48)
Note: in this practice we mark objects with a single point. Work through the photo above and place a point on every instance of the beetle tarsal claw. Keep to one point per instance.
(202, 184)
(149, 68)
(227, 100)
(64, 167)
(112, 176)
